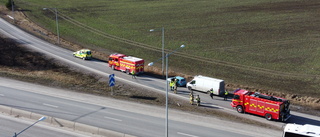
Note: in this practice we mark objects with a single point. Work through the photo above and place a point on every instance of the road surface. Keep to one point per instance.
(157, 85)
(125, 117)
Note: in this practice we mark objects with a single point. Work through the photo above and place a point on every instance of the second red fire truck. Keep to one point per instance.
(260, 104)
(126, 64)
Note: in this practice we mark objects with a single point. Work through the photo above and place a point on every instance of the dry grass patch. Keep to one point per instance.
(62, 77)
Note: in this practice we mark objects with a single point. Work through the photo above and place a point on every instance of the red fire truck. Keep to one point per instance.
(260, 104)
(126, 63)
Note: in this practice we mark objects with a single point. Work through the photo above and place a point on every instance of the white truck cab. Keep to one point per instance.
(297, 130)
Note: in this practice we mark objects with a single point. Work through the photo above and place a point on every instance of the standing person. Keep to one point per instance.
(133, 74)
(191, 97)
(211, 93)
(226, 95)
(175, 85)
(171, 85)
(198, 100)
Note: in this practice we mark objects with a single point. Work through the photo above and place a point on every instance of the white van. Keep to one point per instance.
(297, 130)
(204, 84)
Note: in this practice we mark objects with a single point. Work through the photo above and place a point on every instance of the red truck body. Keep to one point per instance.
(126, 63)
(261, 104)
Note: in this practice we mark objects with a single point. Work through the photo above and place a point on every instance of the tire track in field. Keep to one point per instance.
(185, 55)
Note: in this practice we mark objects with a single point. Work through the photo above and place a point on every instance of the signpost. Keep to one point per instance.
(112, 82)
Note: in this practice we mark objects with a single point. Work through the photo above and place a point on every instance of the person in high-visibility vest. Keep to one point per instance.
(226, 95)
(191, 98)
(171, 85)
(133, 74)
(198, 100)
(211, 93)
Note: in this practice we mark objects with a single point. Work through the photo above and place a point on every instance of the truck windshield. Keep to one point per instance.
(282, 108)
(289, 134)
(236, 97)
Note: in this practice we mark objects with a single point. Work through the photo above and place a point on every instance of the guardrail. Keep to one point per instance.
(63, 123)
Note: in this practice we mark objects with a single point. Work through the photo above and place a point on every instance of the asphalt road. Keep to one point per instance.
(10, 125)
(100, 116)
(125, 117)
(157, 85)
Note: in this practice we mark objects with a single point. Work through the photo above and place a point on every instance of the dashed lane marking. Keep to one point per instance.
(49, 105)
(113, 119)
(185, 134)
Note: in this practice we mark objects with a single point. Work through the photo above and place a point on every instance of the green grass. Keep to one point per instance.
(268, 44)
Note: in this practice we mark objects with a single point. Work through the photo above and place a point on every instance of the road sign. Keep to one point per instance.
(112, 81)
(111, 75)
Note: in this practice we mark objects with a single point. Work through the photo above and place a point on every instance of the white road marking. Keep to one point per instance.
(1, 95)
(91, 69)
(185, 134)
(49, 105)
(113, 118)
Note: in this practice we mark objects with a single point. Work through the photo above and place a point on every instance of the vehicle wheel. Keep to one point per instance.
(240, 109)
(268, 116)
(112, 67)
(74, 55)
(84, 58)
(189, 88)
(127, 71)
(208, 92)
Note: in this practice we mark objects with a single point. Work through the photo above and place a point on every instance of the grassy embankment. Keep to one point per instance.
(270, 46)
(22, 64)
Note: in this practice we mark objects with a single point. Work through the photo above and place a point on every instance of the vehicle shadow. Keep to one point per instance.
(222, 99)
(155, 75)
(302, 120)
(143, 79)
(183, 92)
(97, 60)
(143, 97)
(209, 105)
(295, 119)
